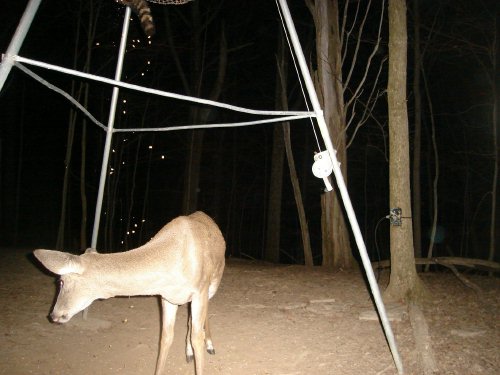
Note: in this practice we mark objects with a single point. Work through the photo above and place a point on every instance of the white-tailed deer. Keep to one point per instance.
(183, 263)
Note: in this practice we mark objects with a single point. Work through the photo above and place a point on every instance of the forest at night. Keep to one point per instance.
(404, 94)
(51, 153)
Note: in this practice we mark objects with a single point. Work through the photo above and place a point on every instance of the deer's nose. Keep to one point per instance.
(59, 318)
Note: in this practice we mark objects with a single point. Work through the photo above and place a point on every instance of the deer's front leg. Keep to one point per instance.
(169, 312)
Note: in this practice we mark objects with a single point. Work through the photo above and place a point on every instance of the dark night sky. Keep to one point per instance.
(236, 162)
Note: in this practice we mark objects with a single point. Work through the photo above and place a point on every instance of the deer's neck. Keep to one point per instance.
(135, 272)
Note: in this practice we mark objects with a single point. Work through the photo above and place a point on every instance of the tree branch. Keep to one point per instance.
(358, 43)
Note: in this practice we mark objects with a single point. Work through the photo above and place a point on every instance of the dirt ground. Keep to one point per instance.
(265, 320)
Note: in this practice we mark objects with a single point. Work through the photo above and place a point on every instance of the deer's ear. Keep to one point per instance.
(58, 262)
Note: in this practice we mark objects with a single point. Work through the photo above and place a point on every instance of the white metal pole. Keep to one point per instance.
(109, 131)
(18, 39)
(341, 184)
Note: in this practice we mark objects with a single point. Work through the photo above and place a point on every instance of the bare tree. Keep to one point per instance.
(273, 225)
(417, 137)
(82, 92)
(339, 40)
(472, 37)
(193, 84)
(284, 143)
(404, 282)
(435, 181)
(304, 227)
(495, 125)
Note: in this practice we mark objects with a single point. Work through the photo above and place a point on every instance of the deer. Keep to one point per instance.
(183, 263)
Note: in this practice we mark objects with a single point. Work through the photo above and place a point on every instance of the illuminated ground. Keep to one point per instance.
(265, 320)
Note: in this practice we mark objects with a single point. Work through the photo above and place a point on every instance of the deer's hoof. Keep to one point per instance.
(189, 358)
(211, 351)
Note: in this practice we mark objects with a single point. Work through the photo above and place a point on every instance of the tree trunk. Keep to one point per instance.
(282, 102)
(495, 126)
(3, 239)
(130, 241)
(69, 145)
(90, 27)
(435, 181)
(404, 282)
(273, 227)
(336, 247)
(192, 172)
(91, 33)
(304, 227)
(67, 164)
(197, 115)
(83, 190)
(145, 197)
(417, 138)
(19, 177)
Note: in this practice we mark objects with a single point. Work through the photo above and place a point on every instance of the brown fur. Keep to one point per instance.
(143, 11)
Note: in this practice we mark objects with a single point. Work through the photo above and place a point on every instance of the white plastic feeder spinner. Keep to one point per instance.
(323, 167)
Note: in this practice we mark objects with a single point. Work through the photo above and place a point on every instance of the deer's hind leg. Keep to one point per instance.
(199, 307)
(208, 338)
(189, 347)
